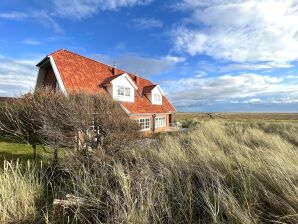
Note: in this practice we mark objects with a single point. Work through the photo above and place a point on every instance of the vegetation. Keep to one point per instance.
(238, 116)
(216, 172)
(78, 121)
(20, 190)
(14, 151)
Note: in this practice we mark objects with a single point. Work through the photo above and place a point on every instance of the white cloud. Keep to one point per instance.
(174, 58)
(31, 42)
(13, 15)
(16, 75)
(147, 23)
(246, 88)
(253, 101)
(240, 30)
(200, 74)
(285, 100)
(46, 20)
(143, 66)
(41, 16)
(79, 9)
(292, 77)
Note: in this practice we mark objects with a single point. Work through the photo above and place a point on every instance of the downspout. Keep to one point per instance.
(153, 123)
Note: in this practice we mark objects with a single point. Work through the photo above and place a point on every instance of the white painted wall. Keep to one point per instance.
(122, 81)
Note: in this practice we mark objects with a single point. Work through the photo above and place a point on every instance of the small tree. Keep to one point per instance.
(19, 120)
(76, 121)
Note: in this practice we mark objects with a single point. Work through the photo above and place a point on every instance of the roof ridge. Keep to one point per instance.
(86, 58)
(129, 73)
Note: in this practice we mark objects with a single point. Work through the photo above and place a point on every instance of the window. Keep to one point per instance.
(120, 90)
(123, 91)
(160, 122)
(144, 123)
(127, 91)
(157, 97)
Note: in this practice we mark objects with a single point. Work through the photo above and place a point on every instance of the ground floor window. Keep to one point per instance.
(144, 123)
(160, 122)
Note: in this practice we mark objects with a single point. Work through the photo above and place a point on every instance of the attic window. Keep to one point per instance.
(157, 97)
(123, 91)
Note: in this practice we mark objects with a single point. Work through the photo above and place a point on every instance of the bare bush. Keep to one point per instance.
(20, 120)
(77, 121)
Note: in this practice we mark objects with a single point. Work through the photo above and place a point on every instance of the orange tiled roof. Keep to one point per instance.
(81, 74)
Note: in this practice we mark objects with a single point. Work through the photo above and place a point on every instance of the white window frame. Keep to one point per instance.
(144, 123)
(123, 91)
(157, 97)
(160, 122)
(127, 91)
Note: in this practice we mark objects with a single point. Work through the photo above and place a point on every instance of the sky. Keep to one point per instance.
(207, 55)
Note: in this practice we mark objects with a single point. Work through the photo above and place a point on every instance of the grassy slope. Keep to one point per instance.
(14, 151)
(217, 172)
(11, 151)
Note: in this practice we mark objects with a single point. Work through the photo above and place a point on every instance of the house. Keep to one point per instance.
(4, 99)
(142, 100)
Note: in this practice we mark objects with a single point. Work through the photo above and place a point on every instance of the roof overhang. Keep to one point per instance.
(158, 87)
(42, 61)
(125, 75)
(42, 72)
(149, 114)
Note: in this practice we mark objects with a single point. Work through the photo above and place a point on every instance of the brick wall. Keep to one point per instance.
(160, 129)
(50, 79)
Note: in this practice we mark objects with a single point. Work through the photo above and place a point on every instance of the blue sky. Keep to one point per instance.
(208, 55)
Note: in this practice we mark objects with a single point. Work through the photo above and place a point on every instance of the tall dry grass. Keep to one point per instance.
(217, 172)
(20, 190)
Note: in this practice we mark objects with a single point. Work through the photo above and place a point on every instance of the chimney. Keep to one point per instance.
(115, 69)
(136, 78)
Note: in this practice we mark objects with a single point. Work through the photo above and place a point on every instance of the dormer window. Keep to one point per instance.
(157, 97)
(154, 94)
(123, 91)
(121, 88)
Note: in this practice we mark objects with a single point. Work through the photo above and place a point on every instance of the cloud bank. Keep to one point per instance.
(143, 66)
(245, 88)
(17, 76)
(240, 30)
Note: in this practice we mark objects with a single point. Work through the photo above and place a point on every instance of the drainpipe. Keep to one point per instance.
(153, 125)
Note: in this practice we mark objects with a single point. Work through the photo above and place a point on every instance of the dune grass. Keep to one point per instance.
(216, 172)
(20, 191)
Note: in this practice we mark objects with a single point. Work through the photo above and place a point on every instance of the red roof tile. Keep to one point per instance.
(82, 74)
